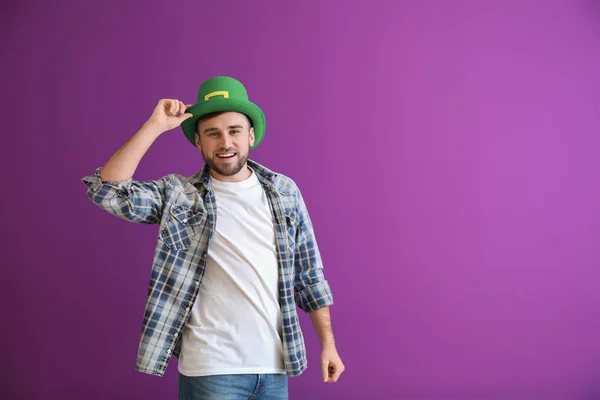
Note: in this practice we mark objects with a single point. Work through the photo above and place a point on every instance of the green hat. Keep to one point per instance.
(223, 93)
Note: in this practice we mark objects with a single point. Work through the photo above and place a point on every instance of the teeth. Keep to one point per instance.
(225, 155)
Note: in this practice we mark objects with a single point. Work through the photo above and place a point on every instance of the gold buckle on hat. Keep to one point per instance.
(223, 93)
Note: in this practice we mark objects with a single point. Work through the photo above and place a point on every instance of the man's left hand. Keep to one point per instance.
(331, 364)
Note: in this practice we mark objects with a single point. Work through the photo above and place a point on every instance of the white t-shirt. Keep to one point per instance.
(235, 324)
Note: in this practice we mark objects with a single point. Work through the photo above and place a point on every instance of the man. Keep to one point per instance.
(236, 253)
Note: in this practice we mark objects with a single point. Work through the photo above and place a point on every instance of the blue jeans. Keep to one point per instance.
(234, 387)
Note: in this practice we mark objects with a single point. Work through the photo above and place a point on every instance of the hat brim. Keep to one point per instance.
(215, 105)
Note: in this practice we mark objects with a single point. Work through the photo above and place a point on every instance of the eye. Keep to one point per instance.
(233, 132)
(212, 134)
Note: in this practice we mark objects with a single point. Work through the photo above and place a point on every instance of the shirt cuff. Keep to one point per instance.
(314, 297)
(94, 182)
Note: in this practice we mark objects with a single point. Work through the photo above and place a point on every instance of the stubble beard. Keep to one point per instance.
(227, 169)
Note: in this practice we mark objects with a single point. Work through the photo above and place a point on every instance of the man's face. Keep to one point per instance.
(225, 142)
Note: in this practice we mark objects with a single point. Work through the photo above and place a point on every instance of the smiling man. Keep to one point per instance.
(236, 253)
(224, 139)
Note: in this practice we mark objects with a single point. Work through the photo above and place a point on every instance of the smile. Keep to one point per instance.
(225, 155)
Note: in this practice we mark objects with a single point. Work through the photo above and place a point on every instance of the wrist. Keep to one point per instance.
(152, 128)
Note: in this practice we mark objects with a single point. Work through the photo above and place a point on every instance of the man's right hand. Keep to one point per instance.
(169, 114)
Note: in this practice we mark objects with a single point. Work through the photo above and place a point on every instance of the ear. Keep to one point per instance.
(198, 142)
(251, 137)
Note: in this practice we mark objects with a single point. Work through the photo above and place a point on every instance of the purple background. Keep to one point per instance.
(447, 151)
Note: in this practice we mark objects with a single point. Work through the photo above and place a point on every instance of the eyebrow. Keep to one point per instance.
(228, 128)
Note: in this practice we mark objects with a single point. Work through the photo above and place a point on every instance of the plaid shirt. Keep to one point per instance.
(185, 208)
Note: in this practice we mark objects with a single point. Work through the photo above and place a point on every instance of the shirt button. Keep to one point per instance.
(187, 309)
(185, 221)
(175, 334)
(197, 283)
(168, 351)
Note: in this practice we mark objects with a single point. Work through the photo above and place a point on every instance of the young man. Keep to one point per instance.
(236, 253)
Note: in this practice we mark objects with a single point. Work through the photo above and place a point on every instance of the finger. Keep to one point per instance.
(185, 116)
(172, 107)
(181, 107)
(325, 370)
(163, 106)
(336, 375)
(331, 373)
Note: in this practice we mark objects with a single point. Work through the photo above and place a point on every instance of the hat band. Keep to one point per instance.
(223, 93)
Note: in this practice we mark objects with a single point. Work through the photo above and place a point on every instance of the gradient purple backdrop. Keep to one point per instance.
(447, 152)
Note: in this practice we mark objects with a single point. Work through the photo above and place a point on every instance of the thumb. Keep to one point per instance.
(325, 370)
(185, 116)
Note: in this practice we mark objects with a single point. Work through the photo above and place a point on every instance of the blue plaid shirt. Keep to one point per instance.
(185, 208)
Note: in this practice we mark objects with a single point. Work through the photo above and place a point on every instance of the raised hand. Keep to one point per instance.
(169, 114)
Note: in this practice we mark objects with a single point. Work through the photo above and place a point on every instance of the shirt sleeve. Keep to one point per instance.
(131, 200)
(311, 289)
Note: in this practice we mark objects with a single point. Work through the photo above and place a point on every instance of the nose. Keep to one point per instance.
(226, 141)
